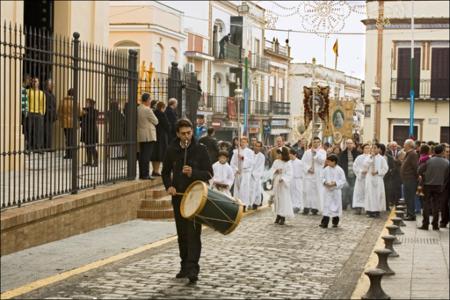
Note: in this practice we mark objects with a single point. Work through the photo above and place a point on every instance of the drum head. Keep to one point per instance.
(194, 199)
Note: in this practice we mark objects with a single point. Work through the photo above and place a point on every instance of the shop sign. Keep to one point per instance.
(279, 122)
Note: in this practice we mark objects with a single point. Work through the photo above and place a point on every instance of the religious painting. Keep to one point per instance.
(338, 119)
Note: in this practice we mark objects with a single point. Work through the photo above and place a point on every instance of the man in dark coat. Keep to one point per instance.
(222, 42)
(89, 132)
(50, 114)
(171, 113)
(345, 161)
(211, 145)
(186, 161)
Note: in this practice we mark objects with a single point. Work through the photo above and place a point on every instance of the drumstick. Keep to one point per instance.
(179, 194)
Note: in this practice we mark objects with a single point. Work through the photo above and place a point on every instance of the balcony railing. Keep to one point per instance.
(259, 62)
(280, 108)
(230, 52)
(255, 107)
(228, 106)
(425, 89)
(276, 48)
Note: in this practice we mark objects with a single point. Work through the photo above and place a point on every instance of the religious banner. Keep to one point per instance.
(320, 104)
(341, 120)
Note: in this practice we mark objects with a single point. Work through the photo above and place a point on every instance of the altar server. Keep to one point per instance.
(257, 173)
(360, 168)
(298, 171)
(333, 179)
(242, 164)
(282, 178)
(223, 174)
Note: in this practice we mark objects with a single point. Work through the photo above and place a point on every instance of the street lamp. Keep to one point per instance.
(376, 96)
(243, 8)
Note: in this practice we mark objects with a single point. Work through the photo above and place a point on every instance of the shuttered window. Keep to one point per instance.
(403, 72)
(440, 73)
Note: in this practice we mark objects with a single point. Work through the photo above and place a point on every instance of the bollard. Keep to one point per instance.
(396, 221)
(388, 244)
(400, 214)
(383, 260)
(392, 231)
(375, 291)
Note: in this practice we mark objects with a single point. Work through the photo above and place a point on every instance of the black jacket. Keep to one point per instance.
(343, 160)
(212, 147)
(172, 118)
(197, 158)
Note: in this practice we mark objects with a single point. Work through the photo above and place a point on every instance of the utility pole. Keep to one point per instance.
(411, 76)
(246, 96)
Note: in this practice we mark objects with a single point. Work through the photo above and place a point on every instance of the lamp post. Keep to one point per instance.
(376, 96)
(243, 9)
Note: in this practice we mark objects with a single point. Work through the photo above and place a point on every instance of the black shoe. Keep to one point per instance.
(146, 178)
(283, 219)
(305, 211)
(156, 174)
(87, 164)
(245, 208)
(409, 218)
(277, 220)
(296, 210)
(335, 225)
(436, 228)
(314, 212)
(192, 279)
(323, 225)
(423, 227)
(443, 225)
(181, 274)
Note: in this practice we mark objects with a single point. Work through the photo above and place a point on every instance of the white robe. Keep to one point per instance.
(255, 180)
(241, 188)
(223, 174)
(375, 198)
(313, 187)
(281, 190)
(332, 197)
(360, 165)
(298, 176)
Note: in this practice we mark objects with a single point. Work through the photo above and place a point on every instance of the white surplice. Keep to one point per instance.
(255, 179)
(281, 188)
(313, 187)
(297, 188)
(332, 197)
(360, 165)
(223, 174)
(241, 188)
(375, 198)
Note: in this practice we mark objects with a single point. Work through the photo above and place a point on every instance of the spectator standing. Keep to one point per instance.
(146, 135)
(89, 132)
(300, 147)
(424, 156)
(211, 145)
(408, 173)
(445, 200)
(171, 113)
(36, 113)
(387, 179)
(162, 138)
(234, 145)
(65, 113)
(50, 114)
(395, 185)
(435, 176)
(116, 126)
(345, 161)
(26, 84)
(274, 152)
(200, 129)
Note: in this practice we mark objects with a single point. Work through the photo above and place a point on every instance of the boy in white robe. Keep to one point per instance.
(313, 162)
(297, 181)
(223, 174)
(375, 198)
(257, 173)
(242, 165)
(333, 179)
(360, 168)
(282, 177)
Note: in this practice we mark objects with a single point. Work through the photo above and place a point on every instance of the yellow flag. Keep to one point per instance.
(336, 48)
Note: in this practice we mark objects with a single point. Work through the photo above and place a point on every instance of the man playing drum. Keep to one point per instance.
(186, 161)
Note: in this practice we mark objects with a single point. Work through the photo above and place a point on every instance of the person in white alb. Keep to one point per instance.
(242, 164)
(223, 174)
(282, 179)
(257, 173)
(333, 179)
(360, 167)
(375, 197)
(313, 162)
(297, 181)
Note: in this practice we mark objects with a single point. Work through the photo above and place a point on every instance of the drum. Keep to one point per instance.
(211, 208)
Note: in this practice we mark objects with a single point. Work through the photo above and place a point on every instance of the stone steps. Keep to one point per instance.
(156, 204)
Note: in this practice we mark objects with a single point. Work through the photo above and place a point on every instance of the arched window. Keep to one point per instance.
(172, 56)
(124, 46)
(158, 58)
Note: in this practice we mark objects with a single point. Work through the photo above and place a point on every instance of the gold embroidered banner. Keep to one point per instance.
(341, 120)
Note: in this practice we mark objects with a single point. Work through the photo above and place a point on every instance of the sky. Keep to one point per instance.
(304, 46)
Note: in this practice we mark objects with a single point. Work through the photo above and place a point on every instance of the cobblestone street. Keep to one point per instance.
(258, 260)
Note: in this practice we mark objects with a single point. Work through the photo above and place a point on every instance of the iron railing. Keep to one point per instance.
(228, 52)
(425, 89)
(260, 63)
(280, 108)
(67, 115)
(276, 48)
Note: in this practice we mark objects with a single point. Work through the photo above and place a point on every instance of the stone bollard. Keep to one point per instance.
(400, 214)
(392, 231)
(375, 291)
(383, 260)
(396, 221)
(388, 244)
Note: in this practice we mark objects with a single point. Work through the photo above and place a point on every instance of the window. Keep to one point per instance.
(445, 134)
(280, 89)
(271, 88)
(172, 56)
(440, 72)
(403, 72)
(124, 46)
(257, 46)
(158, 57)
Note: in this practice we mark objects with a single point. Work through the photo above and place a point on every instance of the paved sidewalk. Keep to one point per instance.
(39, 262)
(421, 270)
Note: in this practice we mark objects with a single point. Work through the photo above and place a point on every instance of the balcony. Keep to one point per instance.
(231, 53)
(425, 89)
(227, 106)
(276, 48)
(260, 63)
(280, 108)
(255, 107)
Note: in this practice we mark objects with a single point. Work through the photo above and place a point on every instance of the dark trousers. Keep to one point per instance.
(347, 192)
(48, 134)
(145, 152)
(35, 131)
(92, 154)
(432, 202)
(222, 51)
(68, 134)
(409, 189)
(189, 240)
(445, 204)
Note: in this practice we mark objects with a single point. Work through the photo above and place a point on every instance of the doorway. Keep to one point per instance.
(401, 133)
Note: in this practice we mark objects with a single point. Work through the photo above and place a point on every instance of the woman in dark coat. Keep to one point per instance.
(89, 132)
(116, 136)
(162, 138)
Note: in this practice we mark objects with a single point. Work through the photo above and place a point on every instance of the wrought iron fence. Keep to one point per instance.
(67, 115)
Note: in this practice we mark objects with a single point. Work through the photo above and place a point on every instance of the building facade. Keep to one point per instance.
(388, 55)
